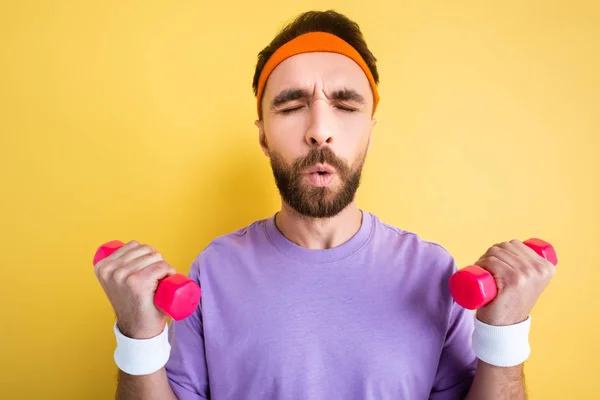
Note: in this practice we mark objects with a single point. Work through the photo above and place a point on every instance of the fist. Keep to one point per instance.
(130, 277)
(521, 276)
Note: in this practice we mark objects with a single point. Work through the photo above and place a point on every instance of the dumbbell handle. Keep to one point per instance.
(177, 295)
(473, 287)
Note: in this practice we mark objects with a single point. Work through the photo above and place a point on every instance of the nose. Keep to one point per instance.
(320, 129)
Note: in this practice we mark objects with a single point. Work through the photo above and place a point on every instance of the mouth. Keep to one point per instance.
(321, 169)
(321, 175)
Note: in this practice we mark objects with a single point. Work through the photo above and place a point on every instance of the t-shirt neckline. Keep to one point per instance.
(312, 256)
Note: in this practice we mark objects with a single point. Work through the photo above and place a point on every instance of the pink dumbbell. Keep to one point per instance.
(473, 287)
(177, 295)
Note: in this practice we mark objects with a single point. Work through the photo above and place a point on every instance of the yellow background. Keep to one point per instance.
(134, 120)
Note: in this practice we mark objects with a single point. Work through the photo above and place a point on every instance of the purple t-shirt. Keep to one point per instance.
(371, 319)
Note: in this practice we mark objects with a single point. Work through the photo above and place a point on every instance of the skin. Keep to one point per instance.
(318, 124)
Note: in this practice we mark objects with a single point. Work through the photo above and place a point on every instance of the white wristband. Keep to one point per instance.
(502, 346)
(142, 356)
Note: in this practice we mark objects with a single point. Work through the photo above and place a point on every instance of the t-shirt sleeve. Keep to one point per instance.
(186, 368)
(456, 368)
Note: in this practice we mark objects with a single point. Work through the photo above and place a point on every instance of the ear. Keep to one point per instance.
(262, 138)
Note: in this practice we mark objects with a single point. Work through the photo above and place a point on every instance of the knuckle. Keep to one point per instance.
(527, 272)
(515, 242)
(100, 264)
(541, 264)
(514, 279)
(546, 268)
(161, 265)
(146, 248)
(164, 268)
(131, 282)
(119, 275)
(503, 245)
(491, 251)
(483, 261)
(101, 274)
(496, 250)
(521, 280)
(104, 272)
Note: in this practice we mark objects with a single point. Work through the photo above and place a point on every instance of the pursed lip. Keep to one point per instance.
(323, 168)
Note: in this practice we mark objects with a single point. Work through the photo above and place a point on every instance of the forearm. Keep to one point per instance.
(146, 387)
(497, 383)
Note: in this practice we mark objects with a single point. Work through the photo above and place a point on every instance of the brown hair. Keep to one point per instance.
(318, 21)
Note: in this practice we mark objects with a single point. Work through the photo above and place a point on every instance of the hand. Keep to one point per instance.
(521, 276)
(130, 277)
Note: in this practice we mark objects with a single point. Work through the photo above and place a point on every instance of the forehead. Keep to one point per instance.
(331, 70)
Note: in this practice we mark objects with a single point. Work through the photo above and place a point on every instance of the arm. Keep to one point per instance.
(521, 276)
(154, 363)
(152, 384)
(497, 383)
(148, 387)
(458, 363)
(184, 377)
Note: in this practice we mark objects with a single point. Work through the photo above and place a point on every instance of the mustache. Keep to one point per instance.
(323, 155)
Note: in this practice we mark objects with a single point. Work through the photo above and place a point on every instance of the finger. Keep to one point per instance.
(105, 267)
(136, 264)
(122, 250)
(541, 264)
(500, 270)
(487, 253)
(511, 253)
(494, 265)
(500, 252)
(154, 272)
(136, 252)
(518, 248)
(527, 251)
(527, 257)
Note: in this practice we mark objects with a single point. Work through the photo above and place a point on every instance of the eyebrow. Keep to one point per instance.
(292, 94)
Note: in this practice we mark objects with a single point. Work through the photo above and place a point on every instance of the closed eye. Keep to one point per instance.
(290, 110)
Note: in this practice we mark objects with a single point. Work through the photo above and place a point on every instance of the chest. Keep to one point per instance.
(358, 334)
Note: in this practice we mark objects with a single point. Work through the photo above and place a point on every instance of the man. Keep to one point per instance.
(321, 300)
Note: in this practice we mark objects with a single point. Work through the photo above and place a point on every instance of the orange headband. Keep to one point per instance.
(314, 42)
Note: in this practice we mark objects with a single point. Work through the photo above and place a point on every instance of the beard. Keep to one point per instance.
(311, 201)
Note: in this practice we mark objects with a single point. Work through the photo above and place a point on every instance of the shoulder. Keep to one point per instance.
(242, 237)
(396, 236)
(234, 243)
(410, 246)
(425, 266)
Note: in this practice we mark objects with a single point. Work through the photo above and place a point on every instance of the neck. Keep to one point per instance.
(319, 233)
